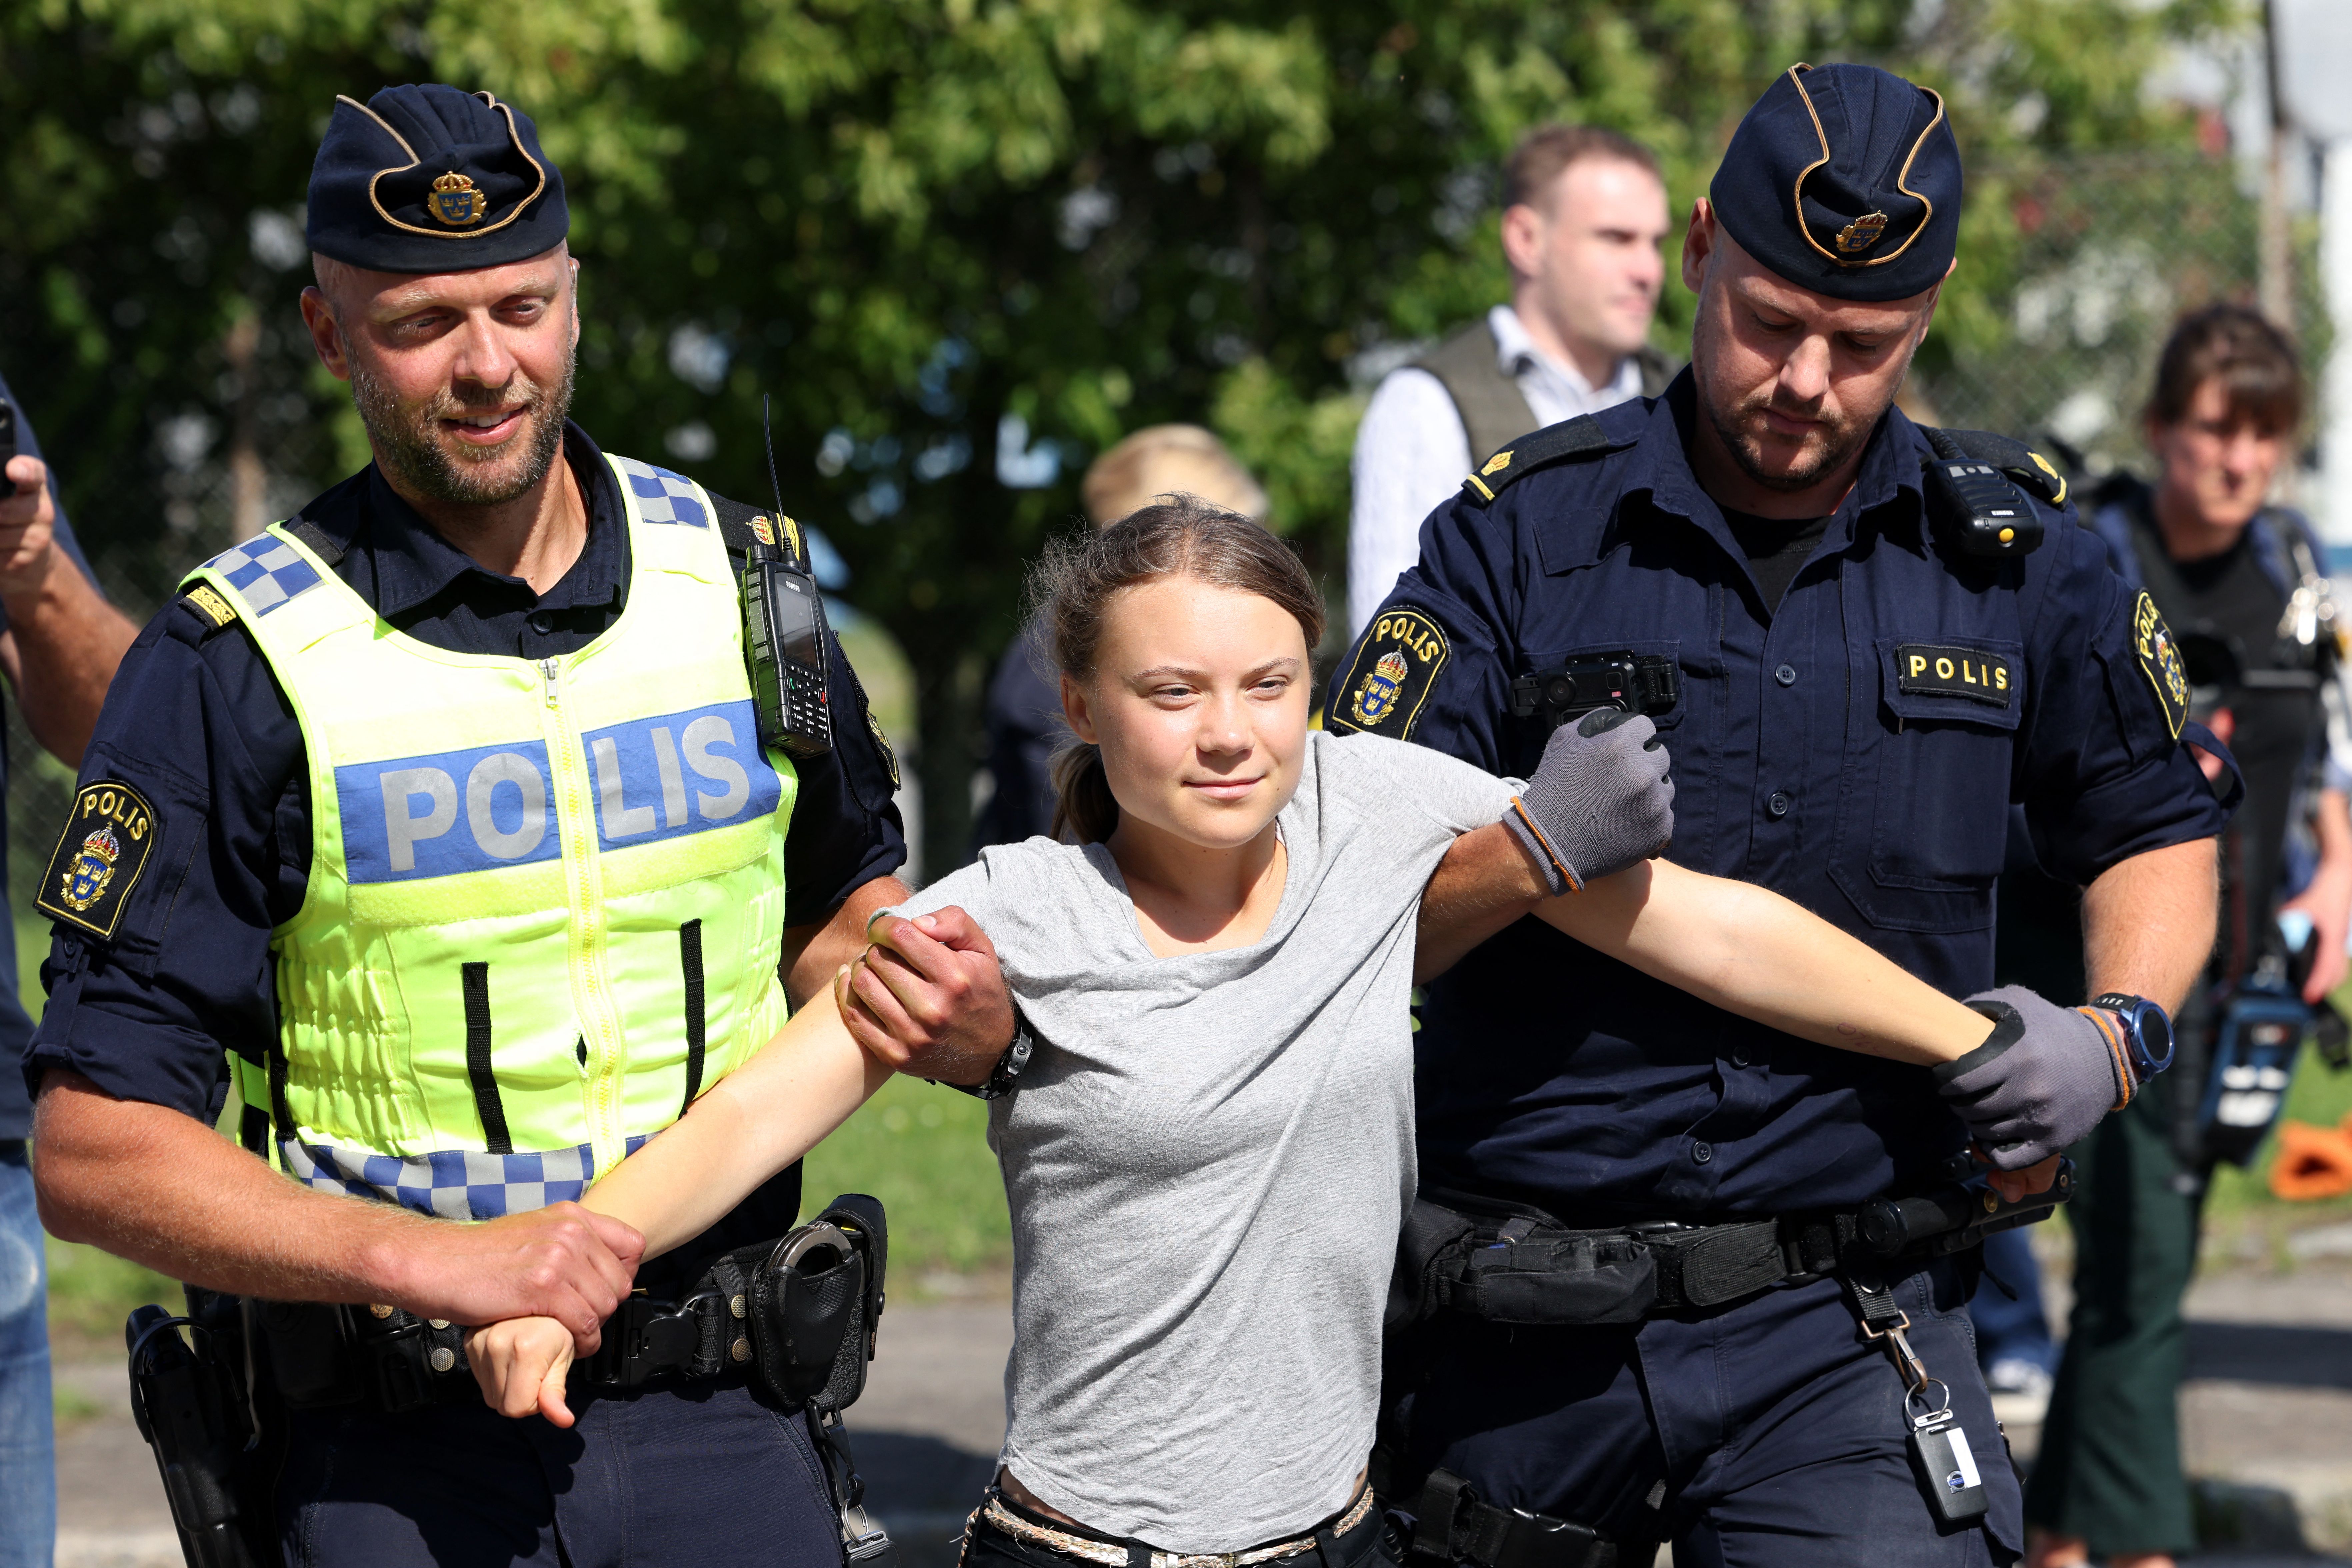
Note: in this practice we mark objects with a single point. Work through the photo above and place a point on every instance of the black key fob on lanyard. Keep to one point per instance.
(1947, 1466)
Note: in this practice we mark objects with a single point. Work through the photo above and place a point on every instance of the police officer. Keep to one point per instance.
(1855, 667)
(440, 808)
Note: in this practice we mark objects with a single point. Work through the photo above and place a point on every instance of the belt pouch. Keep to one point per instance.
(807, 1307)
(1593, 1279)
(1429, 1250)
(309, 1356)
(407, 1362)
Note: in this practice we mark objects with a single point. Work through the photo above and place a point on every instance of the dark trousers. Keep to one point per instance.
(1769, 1430)
(645, 1482)
(2010, 1324)
(986, 1546)
(2109, 1470)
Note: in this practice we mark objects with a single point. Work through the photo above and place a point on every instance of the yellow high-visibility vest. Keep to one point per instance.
(546, 900)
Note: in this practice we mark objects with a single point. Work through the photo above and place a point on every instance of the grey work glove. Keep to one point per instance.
(2042, 1081)
(1600, 801)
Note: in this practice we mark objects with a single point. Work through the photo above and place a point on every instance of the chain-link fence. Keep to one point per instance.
(2111, 250)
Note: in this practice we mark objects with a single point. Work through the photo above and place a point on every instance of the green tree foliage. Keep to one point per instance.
(963, 243)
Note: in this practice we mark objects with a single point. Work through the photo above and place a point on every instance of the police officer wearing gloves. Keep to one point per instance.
(1860, 640)
(440, 809)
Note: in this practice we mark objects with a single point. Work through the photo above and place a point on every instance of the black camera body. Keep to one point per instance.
(8, 433)
(1629, 682)
(1980, 508)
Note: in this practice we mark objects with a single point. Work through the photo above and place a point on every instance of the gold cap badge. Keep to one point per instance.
(458, 203)
(1861, 234)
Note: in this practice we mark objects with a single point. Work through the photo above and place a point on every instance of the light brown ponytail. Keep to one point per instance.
(1072, 584)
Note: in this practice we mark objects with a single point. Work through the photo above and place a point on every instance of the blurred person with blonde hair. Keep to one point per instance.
(1024, 700)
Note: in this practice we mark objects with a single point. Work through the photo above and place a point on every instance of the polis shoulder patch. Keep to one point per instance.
(2159, 660)
(882, 742)
(1935, 670)
(104, 848)
(1395, 666)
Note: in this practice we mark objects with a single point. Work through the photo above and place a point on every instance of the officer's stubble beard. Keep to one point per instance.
(408, 449)
(1738, 425)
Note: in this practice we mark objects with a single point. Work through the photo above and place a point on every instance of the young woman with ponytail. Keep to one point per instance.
(1210, 1154)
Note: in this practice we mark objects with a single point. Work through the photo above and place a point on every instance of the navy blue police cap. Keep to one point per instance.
(1844, 180)
(430, 179)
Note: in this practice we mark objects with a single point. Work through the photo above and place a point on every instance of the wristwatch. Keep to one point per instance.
(1005, 1076)
(2147, 1032)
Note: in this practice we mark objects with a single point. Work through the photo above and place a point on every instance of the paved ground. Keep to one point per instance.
(2269, 1406)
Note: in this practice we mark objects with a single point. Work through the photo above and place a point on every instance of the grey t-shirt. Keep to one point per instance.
(1209, 1159)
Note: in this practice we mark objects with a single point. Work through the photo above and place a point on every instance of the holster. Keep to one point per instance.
(204, 1405)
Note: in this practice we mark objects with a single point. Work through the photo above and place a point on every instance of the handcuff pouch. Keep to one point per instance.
(815, 1301)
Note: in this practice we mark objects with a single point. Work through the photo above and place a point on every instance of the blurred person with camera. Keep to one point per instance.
(2243, 584)
(59, 642)
(1584, 218)
(439, 847)
(1023, 716)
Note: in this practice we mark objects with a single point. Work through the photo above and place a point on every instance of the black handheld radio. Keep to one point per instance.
(785, 636)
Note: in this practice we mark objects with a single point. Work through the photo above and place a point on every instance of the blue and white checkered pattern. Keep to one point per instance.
(266, 572)
(662, 496)
(452, 1183)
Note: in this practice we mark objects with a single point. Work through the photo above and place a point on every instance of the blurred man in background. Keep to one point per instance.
(1025, 722)
(1584, 217)
(58, 648)
(2241, 581)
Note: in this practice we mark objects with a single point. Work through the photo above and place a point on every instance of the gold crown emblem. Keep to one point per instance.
(458, 201)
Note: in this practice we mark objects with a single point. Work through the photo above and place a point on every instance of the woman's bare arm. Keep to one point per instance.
(1744, 947)
(1752, 951)
(748, 1126)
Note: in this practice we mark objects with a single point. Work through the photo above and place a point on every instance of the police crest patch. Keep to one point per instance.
(2159, 660)
(1395, 666)
(99, 856)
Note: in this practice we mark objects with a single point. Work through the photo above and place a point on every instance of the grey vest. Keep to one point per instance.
(1492, 408)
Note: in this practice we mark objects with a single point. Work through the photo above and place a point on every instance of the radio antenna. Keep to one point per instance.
(768, 434)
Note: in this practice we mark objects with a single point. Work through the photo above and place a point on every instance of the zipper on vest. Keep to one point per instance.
(592, 997)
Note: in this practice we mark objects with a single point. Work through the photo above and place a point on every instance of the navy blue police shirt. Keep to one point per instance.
(15, 1023)
(1855, 750)
(197, 722)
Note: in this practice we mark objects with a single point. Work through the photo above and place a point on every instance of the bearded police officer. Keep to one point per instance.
(1860, 640)
(440, 807)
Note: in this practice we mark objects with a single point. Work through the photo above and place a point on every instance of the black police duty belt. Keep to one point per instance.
(390, 1359)
(1511, 1263)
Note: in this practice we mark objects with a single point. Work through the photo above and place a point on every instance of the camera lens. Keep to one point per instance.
(1561, 690)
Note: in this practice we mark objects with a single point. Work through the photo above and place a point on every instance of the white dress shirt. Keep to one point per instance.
(1412, 452)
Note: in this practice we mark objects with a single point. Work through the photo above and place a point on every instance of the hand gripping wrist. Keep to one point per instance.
(2042, 1080)
(1601, 800)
